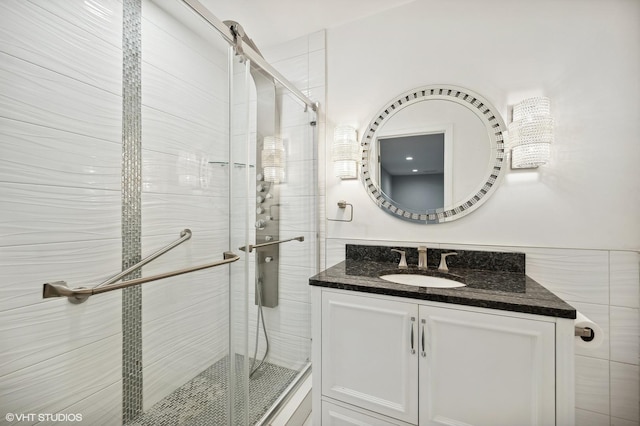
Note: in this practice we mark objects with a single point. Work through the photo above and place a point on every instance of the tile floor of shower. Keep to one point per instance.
(202, 401)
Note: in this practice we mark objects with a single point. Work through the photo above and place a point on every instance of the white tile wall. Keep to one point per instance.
(592, 384)
(607, 377)
(574, 275)
(181, 342)
(172, 135)
(49, 214)
(48, 387)
(26, 267)
(40, 155)
(102, 408)
(67, 38)
(624, 274)
(36, 94)
(625, 391)
(60, 127)
(625, 335)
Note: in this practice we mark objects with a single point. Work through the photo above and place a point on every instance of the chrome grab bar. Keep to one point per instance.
(80, 294)
(270, 243)
(184, 236)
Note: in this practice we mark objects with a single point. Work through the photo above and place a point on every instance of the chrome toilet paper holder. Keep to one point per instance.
(585, 333)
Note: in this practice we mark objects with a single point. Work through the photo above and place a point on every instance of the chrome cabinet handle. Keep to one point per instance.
(413, 321)
(423, 352)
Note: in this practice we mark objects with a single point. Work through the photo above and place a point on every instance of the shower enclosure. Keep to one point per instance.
(212, 143)
(245, 152)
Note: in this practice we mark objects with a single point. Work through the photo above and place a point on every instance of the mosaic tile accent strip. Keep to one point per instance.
(203, 400)
(131, 208)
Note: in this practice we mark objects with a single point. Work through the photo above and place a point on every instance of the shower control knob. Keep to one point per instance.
(259, 210)
(260, 224)
(268, 238)
(259, 177)
(269, 196)
(269, 218)
(259, 199)
(268, 259)
(260, 188)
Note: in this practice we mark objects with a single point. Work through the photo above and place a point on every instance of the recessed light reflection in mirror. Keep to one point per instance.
(417, 180)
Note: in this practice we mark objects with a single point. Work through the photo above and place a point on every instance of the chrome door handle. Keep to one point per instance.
(413, 323)
(423, 353)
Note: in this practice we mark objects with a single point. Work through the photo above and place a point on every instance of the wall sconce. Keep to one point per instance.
(273, 159)
(345, 152)
(531, 133)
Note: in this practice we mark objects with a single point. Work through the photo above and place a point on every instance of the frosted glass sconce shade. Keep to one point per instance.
(531, 133)
(273, 159)
(345, 152)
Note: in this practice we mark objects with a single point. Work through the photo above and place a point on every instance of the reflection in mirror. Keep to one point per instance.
(467, 150)
(455, 142)
(411, 170)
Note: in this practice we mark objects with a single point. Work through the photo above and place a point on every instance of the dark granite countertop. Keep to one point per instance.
(508, 291)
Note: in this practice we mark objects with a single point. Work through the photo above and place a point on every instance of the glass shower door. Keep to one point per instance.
(183, 352)
(281, 205)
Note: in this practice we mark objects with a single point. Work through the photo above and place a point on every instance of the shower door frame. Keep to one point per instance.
(248, 52)
(268, 116)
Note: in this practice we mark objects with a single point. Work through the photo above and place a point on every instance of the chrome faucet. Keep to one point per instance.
(422, 257)
(403, 260)
(443, 261)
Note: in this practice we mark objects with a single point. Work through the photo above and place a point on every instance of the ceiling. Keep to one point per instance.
(271, 22)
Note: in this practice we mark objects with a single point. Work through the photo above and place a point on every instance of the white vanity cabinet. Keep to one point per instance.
(484, 369)
(388, 360)
(368, 358)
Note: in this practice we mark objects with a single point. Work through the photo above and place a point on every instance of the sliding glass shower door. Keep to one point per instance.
(176, 331)
(274, 224)
(227, 153)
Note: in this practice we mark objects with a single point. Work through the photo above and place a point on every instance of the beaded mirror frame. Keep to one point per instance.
(494, 125)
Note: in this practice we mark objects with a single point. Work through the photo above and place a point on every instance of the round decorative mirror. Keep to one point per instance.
(433, 154)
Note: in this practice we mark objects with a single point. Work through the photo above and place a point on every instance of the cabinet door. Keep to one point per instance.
(369, 354)
(485, 370)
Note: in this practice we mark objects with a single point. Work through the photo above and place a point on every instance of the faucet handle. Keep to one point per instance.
(443, 261)
(422, 257)
(403, 258)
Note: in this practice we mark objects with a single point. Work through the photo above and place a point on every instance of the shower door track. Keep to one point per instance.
(285, 396)
(249, 52)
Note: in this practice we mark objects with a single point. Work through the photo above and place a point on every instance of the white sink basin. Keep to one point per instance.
(422, 280)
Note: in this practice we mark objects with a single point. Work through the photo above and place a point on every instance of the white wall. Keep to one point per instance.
(583, 55)
(575, 218)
